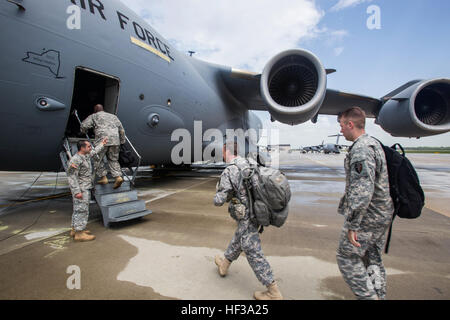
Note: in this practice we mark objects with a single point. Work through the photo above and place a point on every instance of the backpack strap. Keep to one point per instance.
(401, 148)
(245, 180)
(388, 240)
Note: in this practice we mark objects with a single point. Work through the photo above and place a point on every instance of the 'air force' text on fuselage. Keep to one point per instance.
(97, 7)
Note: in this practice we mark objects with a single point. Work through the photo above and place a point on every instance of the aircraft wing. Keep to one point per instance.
(293, 89)
(245, 87)
(336, 102)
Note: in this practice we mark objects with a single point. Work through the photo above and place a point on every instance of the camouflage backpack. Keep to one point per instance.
(269, 194)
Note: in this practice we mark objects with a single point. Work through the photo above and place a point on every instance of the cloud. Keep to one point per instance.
(343, 4)
(338, 51)
(246, 34)
(242, 34)
(339, 34)
(333, 38)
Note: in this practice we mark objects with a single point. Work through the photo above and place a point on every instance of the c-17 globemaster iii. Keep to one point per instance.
(59, 56)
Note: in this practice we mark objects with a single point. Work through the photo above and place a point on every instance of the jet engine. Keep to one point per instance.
(293, 85)
(422, 109)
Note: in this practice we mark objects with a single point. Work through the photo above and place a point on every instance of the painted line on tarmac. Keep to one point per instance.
(178, 191)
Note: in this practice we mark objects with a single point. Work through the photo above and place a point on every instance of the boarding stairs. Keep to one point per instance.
(116, 205)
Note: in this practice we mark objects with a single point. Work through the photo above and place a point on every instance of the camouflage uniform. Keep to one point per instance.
(368, 208)
(79, 175)
(246, 237)
(106, 125)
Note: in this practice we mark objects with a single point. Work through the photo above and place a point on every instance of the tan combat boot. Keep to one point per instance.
(273, 293)
(118, 182)
(223, 264)
(83, 236)
(72, 232)
(103, 180)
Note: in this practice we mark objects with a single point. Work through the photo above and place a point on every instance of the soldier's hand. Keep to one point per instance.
(353, 237)
(79, 196)
(105, 141)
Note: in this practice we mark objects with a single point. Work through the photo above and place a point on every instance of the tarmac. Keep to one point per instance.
(169, 254)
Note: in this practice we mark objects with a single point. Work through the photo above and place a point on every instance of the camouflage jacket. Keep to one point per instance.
(226, 190)
(366, 202)
(106, 125)
(79, 171)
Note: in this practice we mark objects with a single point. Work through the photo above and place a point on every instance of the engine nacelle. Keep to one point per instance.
(422, 109)
(293, 85)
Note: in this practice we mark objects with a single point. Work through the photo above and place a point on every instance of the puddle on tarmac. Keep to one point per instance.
(190, 273)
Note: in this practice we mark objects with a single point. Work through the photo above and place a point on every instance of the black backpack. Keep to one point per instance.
(126, 157)
(406, 192)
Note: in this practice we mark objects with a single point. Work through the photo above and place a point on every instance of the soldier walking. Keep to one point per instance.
(79, 174)
(368, 209)
(106, 125)
(246, 237)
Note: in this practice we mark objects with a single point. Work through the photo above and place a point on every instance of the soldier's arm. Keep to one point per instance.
(362, 186)
(94, 153)
(341, 205)
(72, 177)
(224, 189)
(87, 124)
(121, 132)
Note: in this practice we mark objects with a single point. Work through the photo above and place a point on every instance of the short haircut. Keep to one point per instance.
(356, 115)
(81, 144)
(231, 146)
(98, 108)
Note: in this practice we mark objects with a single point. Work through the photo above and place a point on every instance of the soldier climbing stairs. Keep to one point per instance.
(119, 204)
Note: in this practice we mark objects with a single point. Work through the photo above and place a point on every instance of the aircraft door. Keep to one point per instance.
(91, 87)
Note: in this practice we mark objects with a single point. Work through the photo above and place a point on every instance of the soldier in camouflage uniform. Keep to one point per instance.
(368, 209)
(246, 237)
(106, 125)
(79, 175)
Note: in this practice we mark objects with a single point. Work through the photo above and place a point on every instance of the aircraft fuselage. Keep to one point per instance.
(43, 49)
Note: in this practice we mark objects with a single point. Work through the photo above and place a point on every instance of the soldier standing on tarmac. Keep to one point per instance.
(246, 237)
(106, 125)
(368, 209)
(79, 175)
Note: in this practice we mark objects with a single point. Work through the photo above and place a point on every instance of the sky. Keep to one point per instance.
(411, 42)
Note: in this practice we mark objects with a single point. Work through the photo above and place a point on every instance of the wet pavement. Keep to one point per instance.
(169, 254)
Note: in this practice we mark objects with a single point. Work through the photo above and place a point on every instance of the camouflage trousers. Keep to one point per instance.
(112, 155)
(81, 211)
(362, 268)
(247, 239)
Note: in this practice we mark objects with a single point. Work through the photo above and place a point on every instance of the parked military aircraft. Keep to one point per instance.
(333, 147)
(330, 148)
(313, 149)
(64, 55)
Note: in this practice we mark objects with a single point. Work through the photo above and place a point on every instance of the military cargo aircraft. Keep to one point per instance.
(334, 147)
(59, 56)
(326, 148)
(330, 148)
(313, 149)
